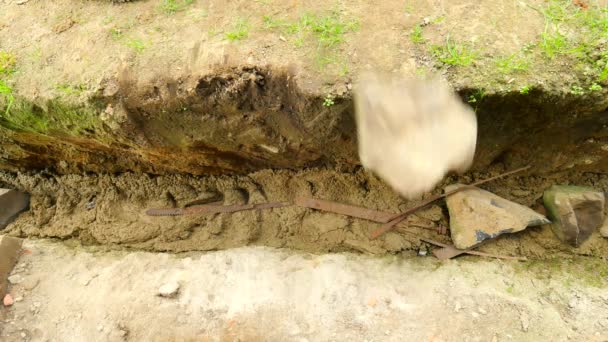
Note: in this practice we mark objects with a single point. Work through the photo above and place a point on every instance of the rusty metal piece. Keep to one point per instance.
(400, 217)
(449, 252)
(344, 209)
(213, 209)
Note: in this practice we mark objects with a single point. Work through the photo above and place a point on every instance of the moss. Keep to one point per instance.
(580, 270)
(58, 118)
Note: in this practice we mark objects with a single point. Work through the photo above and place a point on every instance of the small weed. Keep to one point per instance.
(136, 44)
(240, 31)
(70, 90)
(8, 61)
(477, 96)
(438, 20)
(329, 101)
(330, 29)
(528, 47)
(553, 44)
(6, 92)
(116, 34)
(272, 23)
(595, 87)
(174, 6)
(107, 20)
(510, 289)
(507, 65)
(454, 54)
(577, 90)
(416, 35)
(525, 90)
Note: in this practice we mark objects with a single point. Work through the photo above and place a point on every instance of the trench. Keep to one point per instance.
(252, 135)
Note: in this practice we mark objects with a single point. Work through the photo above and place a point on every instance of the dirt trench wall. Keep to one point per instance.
(244, 119)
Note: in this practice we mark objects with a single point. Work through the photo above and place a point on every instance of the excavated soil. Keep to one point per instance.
(110, 209)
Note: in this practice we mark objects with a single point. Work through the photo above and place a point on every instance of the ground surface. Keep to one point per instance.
(261, 294)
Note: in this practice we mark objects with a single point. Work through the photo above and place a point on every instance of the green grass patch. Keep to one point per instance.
(240, 30)
(8, 63)
(58, 117)
(416, 35)
(453, 53)
(512, 63)
(71, 90)
(328, 30)
(174, 6)
(136, 44)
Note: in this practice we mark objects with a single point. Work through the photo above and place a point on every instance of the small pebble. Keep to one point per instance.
(8, 300)
(169, 289)
(474, 314)
(19, 299)
(15, 279)
(22, 335)
(482, 311)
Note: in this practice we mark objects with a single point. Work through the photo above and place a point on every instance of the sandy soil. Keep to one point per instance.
(110, 209)
(262, 294)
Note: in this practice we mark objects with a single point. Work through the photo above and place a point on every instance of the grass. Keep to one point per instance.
(174, 6)
(136, 44)
(328, 30)
(454, 54)
(116, 34)
(239, 31)
(525, 90)
(589, 271)
(553, 44)
(70, 90)
(512, 63)
(416, 35)
(6, 94)
(595, 87)
(8, 63)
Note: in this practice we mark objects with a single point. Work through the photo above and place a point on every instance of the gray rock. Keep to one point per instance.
(12, 203)
(477, 215)
(15, 279)
(575, 212)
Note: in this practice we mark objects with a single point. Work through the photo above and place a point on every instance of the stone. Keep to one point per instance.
(412, 132)
(15, 279)
(604, 228)
(575, 212)
(477, 215)
(8, 300)
(9, 254)
(12, 203)
(169, 289)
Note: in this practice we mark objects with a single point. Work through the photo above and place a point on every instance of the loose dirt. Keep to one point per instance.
(110, 209)
(264, 294)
